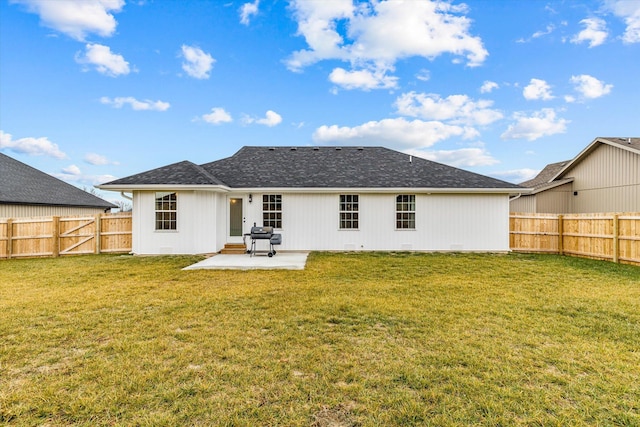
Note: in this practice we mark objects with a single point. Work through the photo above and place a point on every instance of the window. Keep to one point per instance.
(166, 209)
(272, 210)
(406, 211)
(348, 211)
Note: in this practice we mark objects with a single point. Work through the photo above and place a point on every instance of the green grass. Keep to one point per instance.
(367, 339)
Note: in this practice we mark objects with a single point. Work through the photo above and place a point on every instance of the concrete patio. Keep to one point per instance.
(280, 261)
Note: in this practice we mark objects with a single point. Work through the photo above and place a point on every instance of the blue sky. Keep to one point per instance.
(96, 90)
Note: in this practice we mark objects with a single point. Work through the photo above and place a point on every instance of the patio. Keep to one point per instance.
(281, 261)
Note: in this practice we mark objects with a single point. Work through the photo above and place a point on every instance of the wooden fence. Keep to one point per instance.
(614, 237)
(56, 236)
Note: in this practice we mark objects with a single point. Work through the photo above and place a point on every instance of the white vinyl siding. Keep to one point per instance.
(447, 222)
(464, 222)
(197, 222)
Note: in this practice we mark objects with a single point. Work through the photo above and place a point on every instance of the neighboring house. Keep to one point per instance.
(604, 177)
(27, 192)
(318, 198)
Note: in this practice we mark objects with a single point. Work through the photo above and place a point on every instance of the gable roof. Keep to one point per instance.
(317, 167)
(23, 184)
(629, 144)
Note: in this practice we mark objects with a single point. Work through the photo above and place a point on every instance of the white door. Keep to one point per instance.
(236, 220)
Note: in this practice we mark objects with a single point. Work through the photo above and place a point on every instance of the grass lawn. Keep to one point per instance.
(367, 339)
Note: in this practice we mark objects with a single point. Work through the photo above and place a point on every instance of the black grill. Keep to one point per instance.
(264, 233)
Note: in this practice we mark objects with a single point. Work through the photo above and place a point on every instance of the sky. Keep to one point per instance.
(94, 90)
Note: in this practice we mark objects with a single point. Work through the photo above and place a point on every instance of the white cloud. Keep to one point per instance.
(541, 123)
(73, 174)
(248, 10)
(629, 11)
(595, 32)
(197, 63)
(424, 75)
(398, 133)
(72, 170)
(590, 87)
(77, 18)
(105, 61)
(537, 89)
(488, 86)
(516, 175)
(271, 119)
(548, 30)
(458, 109)
(362, 79)
(145, 105)
(98, 160)
(31, 146)
(374, 35)
(463, 157)
(216, 116)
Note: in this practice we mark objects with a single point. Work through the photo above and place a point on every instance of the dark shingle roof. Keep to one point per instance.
(22, 184)
(181, 173)
(319, 167)
(545, 175)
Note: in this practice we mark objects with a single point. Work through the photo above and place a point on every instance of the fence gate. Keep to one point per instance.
(78, 235)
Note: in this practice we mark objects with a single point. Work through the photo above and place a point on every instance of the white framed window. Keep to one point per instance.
(272, 210)
(349, 215)
(406, 212)
(166, 211)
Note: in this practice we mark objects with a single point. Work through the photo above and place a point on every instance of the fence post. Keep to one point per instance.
(9, 237)
(55, 236)
(560, 234)
(616, 240)
(98, 233)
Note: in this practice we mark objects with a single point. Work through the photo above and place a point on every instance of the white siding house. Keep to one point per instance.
(396, 202)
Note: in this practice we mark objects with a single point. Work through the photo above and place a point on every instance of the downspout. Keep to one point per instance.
(125, 196)
(515, 198)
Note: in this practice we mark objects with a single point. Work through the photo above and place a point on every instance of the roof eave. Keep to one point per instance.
(164, 187)
(552, 184)
(422, 190)
(106, 205)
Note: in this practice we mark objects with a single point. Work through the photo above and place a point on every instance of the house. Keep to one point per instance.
(604, 177)
(318, 198)
(27, 192)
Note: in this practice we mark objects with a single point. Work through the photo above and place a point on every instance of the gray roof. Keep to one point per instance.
(545, 175)
(626, 142)
(317, 167)
(181, 173)
(22, 184)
